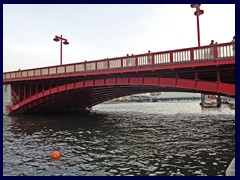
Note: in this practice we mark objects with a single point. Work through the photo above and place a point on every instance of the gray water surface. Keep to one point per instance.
(156, 139)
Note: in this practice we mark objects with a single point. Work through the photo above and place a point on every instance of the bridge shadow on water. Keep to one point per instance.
(57, 121)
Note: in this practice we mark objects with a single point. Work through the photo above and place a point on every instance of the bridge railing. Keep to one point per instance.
(217, 51)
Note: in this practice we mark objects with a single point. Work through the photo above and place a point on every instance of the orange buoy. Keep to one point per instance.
(55, 155)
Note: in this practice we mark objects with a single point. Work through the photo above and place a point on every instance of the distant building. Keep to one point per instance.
(179, 95)
(156, 96)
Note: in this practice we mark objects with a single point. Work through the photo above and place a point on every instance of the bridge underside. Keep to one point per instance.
(73, 93)
(79, 99)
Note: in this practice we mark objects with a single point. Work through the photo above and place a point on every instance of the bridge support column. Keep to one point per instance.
(202, 99)
(7, 98)
(219, 101)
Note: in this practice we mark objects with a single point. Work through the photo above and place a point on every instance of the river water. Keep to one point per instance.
(140, 139)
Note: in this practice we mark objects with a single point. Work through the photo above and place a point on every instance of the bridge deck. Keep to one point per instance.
(141, 62)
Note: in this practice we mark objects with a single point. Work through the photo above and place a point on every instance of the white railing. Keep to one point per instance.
(215, 52)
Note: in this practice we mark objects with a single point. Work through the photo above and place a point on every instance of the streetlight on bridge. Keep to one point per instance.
(60, 38)
(197, 13)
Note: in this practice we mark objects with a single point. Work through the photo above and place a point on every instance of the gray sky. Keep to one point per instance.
(104, 31)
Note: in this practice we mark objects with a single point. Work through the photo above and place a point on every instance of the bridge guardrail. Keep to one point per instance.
(181, 55)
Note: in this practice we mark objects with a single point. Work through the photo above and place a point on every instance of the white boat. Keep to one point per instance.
(209, 101)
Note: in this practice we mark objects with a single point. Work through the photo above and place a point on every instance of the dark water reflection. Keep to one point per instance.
(164, 139)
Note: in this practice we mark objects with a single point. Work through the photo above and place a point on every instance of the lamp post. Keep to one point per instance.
(57, 38)
(197, 13)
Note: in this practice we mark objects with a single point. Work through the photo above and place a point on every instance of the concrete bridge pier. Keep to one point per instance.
(231, 168)
(219, 101)
(7, 98)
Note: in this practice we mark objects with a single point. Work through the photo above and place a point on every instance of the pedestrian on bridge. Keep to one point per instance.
(149, 58)
(218, 50)
(211, 49)
(233, 48)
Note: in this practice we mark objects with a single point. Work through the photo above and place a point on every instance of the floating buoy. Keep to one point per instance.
(55, 155)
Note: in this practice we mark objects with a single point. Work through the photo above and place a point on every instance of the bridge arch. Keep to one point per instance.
(75, 96)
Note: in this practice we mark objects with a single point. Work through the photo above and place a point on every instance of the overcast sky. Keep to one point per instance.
(105, 31)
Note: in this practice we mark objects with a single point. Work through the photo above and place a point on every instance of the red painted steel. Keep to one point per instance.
(196, 54)
(179, 85)
(80, 85)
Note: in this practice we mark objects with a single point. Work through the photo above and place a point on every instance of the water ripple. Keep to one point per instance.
(155, 139)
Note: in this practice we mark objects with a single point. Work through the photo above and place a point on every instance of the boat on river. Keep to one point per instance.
(209, 101)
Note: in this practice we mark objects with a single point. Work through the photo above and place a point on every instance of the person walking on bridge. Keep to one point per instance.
(233, 48)
(218, 50)
(149, 58)
(211, 49)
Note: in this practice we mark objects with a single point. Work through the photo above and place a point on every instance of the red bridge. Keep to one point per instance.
(73, 87)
